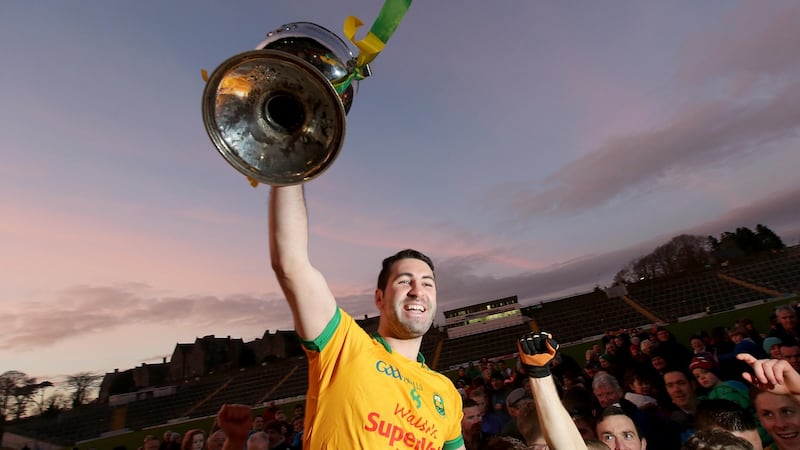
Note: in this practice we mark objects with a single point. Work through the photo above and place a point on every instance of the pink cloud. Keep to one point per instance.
(700, 137)
(754, 40)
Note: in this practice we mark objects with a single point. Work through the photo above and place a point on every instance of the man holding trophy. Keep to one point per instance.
(364, 392)
(276, 114)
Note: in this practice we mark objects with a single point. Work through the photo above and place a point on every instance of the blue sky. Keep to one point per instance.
(531, 148)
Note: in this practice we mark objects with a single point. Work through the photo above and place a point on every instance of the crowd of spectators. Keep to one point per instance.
(669, 390)
(235, 425)
(636, 388)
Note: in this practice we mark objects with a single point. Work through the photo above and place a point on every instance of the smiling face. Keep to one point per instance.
(780, 416)
(197, 441)
(698, 345)
(408, 303)
(642, 387)
(680, 390)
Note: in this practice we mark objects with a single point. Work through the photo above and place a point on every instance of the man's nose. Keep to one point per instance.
(415, 289)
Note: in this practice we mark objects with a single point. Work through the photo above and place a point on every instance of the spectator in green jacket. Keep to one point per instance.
(706, 371)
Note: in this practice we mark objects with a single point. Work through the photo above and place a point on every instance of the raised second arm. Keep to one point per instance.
(536, 351)
(559, 430)
(306, 290)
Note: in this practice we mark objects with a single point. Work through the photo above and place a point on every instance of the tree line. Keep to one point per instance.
(21, 395)
(688, 253)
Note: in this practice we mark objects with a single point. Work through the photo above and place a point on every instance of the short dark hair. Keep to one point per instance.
(715, 439)
(689, 377)
(618, 410)
(386, 267)
(721, 413)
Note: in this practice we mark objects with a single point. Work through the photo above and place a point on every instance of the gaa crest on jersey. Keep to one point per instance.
(438, 403)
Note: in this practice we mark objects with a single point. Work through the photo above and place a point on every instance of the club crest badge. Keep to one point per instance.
(438, 403)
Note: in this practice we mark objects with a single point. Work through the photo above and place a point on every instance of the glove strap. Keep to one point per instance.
(538, 372)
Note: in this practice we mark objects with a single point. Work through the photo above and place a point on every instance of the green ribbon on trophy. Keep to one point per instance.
(373, 43)
(277, 113)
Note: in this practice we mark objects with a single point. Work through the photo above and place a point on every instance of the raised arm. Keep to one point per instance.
(536, 350)
(772, 375)
(306, 290)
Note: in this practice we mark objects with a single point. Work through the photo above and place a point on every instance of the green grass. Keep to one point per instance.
(759, 314)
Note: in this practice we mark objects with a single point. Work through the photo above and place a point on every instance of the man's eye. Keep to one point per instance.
(628, 435)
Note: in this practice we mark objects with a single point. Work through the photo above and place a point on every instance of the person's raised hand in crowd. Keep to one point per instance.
(772, 375)
(235, 421)
(536, 352)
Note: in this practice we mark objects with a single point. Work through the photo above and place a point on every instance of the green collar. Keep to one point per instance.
(379, 338)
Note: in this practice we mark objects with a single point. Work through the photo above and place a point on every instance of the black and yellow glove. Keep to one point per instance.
(536, 350)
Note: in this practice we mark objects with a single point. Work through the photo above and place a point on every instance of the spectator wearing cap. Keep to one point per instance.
(708, 376)
(772, 347)
(515, 400)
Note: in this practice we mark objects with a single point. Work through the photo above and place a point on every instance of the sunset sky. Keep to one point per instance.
(532, 148)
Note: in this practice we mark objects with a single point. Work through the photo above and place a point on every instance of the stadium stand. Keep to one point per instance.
(585, 315)
(689, 294)
(490, 344)
(778, 271)
(576, 318)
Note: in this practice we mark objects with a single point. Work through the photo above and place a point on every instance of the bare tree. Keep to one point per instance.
(681, 254)
(17, 391)
(81, 384)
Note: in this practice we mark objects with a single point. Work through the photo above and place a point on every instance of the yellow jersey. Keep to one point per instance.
(361, 395)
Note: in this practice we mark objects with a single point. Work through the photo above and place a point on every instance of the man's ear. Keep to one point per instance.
(378, 298)
(644, 444)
